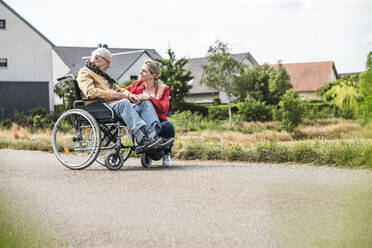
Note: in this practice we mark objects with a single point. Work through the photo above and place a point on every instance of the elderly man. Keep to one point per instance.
(141, 119)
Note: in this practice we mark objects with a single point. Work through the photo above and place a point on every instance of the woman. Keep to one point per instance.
(150, 88)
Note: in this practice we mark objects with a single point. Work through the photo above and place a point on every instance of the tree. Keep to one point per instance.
(291, 109)
(220, 71)
(66, 91)
(346, 95)
(365, 107)
(262, 83)
(173, 74)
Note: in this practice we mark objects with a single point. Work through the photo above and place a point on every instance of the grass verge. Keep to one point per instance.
(348, 153)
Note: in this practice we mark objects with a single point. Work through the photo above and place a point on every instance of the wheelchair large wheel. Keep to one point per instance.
(108, 143)
(146, 161)
(76, 139)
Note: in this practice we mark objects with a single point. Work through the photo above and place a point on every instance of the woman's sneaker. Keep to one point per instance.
(167, 160)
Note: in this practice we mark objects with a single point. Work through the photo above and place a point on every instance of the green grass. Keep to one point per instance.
(353, 154)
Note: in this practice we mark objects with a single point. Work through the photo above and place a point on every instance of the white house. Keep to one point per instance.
(26, 65)
(202, 94)
(30, 64)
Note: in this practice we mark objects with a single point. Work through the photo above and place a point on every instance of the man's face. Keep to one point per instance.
(103, 62)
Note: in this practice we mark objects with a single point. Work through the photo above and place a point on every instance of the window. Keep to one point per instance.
(3, 62)
(2, 24)
(133, 77)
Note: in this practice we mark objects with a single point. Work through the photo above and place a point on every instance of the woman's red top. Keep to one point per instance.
(160, 102)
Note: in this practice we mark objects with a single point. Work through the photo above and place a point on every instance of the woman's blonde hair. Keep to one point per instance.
(154, 68)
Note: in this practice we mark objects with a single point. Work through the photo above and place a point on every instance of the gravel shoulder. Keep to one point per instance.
(192, 204)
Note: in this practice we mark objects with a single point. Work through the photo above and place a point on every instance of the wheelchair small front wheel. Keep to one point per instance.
(114, 160)
(145, 160)
(76, 139)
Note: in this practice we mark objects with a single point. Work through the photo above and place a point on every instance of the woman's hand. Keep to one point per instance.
(141, 98)
(132, 97)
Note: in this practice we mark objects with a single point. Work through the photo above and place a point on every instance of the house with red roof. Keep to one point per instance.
(307, 78)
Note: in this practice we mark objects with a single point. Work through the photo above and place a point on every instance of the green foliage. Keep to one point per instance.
(346, 96)
(369, 61)
(220, 71)
(192, 107)
(255, 111)
(319, 110)
(187, 121)
(365, 107)
(344, 154)
(216, 101)
(291, 110)
(220, 112)
(66, 91)
(37, 118)
(21, 119)
(126, 83)
(262, 83)
(174, 75)
(6, 123)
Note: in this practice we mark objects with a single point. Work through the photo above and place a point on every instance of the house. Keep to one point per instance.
(126, 62)
(30, 64)
(26, 68)
(200, 93)
(307, 78)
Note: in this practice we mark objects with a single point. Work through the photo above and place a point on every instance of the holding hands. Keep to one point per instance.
(137, 99)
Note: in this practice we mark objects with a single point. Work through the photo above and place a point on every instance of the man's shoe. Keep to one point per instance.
(167, 160)
(147, 144)
(165, 142)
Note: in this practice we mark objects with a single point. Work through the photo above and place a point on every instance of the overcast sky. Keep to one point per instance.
(271, 30)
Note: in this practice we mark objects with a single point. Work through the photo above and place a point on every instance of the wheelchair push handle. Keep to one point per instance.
(66, 76)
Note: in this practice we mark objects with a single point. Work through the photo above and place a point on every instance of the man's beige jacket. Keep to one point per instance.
(93, 85)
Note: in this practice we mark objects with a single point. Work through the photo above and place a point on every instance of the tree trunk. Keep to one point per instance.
(229, 108)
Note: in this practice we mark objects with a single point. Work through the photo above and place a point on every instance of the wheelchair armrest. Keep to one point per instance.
(82, 101)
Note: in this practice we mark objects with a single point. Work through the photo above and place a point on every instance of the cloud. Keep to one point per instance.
(367, 38)
(291, 5)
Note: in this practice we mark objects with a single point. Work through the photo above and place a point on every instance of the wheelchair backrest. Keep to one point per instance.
(77, 90)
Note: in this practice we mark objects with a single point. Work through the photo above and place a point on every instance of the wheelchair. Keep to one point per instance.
(89, 133)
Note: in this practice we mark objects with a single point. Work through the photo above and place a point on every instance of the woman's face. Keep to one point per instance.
(145, 74)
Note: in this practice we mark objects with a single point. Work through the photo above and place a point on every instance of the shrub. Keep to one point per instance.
(291, 110)
(216, 101)
(189, 106)
(255, 111)
(221, 112)
(319, 110)
(6, 123)
(21, 119)
(126, 83)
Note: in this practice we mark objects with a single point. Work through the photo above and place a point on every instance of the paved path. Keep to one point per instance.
(193, 204)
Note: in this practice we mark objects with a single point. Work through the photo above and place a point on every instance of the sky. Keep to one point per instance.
(291, 31)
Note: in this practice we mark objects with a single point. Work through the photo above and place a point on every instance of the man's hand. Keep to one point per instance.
(118, 96)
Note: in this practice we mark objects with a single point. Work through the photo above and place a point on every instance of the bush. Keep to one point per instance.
(221, 112)
(291, 110)
(255, 111)
(21, 119)
(126, 83)
(216, 101)
(189, 106)
(6, 123)
(319, 110)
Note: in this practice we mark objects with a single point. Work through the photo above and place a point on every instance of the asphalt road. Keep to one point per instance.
(193, 204)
